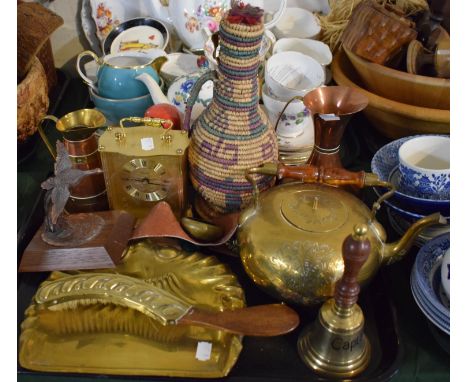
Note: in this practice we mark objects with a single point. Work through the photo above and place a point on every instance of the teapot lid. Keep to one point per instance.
(314, 210)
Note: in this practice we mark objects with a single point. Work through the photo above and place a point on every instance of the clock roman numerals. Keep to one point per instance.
(144, 180)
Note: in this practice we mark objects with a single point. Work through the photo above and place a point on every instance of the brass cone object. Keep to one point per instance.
(335, 344)
(331, 107)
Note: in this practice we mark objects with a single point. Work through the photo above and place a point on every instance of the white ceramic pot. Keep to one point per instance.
(293, 120)
(290, 74)
(297, 22)
(312, 48)
(179, 92)
(320, 6)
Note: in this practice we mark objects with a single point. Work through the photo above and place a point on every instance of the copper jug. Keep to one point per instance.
(78, 130)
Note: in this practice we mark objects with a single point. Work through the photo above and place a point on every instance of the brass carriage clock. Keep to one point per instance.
(143, 165)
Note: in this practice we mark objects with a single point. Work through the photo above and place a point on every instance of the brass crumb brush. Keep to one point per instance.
(335, 344)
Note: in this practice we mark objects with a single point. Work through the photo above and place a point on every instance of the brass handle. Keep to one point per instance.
(153, 122)
(107, 288)
(43, 135)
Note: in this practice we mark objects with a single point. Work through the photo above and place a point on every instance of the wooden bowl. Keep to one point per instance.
(400, 86)
(392, 119)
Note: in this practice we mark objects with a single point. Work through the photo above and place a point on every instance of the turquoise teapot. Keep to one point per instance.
(116, 74)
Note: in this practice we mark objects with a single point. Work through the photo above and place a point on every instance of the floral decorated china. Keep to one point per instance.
(141, 34)
(424, 163)
(191, 16)
(179, 91)
(384, 163)
(292, 122)
(178, 65)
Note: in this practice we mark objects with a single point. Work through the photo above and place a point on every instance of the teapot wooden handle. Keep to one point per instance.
(331, 176)
(356, 249)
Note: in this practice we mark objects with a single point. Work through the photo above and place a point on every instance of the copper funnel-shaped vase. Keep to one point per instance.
(331, 107)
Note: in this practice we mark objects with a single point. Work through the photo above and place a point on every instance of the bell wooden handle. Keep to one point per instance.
(332, 176)
(356, 249)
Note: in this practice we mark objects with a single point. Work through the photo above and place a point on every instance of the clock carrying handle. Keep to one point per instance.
(147, 121)
(210, 75)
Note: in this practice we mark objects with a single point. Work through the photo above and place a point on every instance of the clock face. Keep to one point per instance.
(144, 179)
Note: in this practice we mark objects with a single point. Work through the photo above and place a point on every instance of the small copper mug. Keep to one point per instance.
(78, 130)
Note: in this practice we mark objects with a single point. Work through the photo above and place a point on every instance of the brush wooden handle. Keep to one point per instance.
(259, 321)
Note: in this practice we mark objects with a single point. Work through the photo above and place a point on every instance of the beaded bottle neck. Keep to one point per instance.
(239, 59)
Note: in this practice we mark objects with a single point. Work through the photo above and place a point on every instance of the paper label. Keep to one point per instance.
(147, 144)
(203, 351)
(330, 117)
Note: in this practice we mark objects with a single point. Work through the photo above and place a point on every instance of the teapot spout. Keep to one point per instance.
(395, 251)
(153, 87)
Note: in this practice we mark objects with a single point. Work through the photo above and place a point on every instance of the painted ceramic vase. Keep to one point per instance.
(232, 134)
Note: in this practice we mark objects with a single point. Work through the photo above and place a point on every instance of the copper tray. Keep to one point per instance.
(195, 278)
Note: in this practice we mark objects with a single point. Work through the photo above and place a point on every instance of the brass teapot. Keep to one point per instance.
(290, 238)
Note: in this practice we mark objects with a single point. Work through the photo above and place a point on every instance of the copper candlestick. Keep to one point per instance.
(331, 107)
(335, 344)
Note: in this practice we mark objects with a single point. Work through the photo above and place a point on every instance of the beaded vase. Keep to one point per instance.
(232, 134)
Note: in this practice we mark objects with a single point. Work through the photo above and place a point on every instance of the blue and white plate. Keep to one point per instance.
(442, 325)
(383, 163)
(426, 282)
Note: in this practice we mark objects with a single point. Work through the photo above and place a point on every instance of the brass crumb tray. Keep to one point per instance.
(105, 339)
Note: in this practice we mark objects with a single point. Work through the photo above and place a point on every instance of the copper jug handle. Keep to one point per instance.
(313, 174)
(300, 98)
(43, 135)
(209, 75)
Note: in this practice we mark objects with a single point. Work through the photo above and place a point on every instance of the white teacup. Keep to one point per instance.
(290, 74)
(294, 119)
(424, 164)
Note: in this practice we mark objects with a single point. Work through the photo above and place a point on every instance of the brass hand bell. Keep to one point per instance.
(335, 344)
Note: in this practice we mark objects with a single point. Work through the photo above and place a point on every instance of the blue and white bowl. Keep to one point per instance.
(426, 282)
(385, 164)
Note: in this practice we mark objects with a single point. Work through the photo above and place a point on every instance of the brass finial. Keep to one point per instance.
(360, 231)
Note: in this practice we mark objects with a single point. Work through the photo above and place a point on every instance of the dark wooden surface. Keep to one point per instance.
(40, 256)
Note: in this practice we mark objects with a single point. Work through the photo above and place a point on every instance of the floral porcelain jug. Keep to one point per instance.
(190, 17)
(232, 134)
